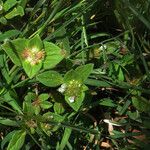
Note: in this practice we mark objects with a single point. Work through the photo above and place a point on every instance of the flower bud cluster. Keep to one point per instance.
(33, 56)
(71, 89)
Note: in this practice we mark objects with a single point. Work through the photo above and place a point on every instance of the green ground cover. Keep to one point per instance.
(74, 74)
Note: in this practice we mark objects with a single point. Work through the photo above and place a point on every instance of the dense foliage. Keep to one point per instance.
(74, 74)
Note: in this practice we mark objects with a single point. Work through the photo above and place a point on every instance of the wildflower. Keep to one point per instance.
(71, 89)
(33, 55)
(74, 88)
(62, 88)
(71, 99)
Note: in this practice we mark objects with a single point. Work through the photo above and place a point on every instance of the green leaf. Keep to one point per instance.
(43, 97)
(107, 102)
(119, 72)
(8, 122)
(65, 138)
(97, 83)
(17, 11)
(27, 108)
(3, 20)
(53, 55)
(49, 116)
(8, 34)
(36, 42)
(77, 102)
(11, 101)
(125, 107)
(134, 116)
(31, 70)
(58, 108)
(14, 49)
(46, 105)
(37, 109)
(17, 140)
(19, 45)
(30, 97)
(84, 71)
(62, 38)
(72, 75)
(8, 47)
(112, 46)
(53, 120)
(118, 134)
(7, 138)
(50, 78)
(141, 104)
(27, 104)
(9, 4)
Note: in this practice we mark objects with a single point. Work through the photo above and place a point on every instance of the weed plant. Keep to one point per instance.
(74, 74)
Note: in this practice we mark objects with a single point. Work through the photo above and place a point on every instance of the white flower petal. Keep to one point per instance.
(71, 99)
(62, 88)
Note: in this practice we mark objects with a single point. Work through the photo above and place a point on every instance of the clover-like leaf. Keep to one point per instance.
(36, 43)
(75, 102)
(31, 70)
(14, 49)
(72, 75)
(54, 55)
(32, 54)
(84, 71)
(50, 78)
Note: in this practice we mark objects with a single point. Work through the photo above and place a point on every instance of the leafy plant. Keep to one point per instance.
(74, 74)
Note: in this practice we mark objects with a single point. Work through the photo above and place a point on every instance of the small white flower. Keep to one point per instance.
(62, 88)
(103, 47)
(71, 99)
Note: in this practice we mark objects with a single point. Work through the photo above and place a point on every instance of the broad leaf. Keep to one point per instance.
(43, 97)
(141, 104)
(50, 78)
(31, 70)
(14, 49)
(17, 140)
(77, 102)
(36, 42)
(84, 71)
(72, 75)
(53, 55)
(46, 105)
